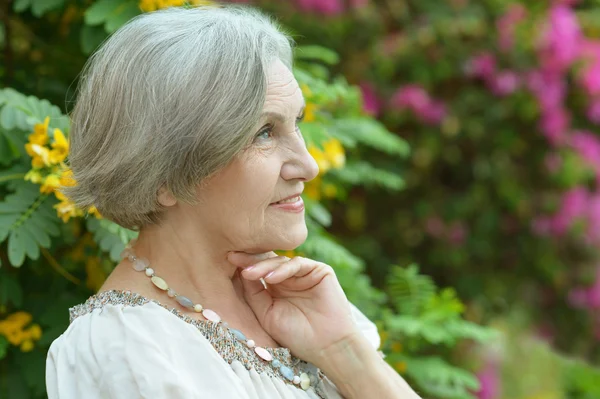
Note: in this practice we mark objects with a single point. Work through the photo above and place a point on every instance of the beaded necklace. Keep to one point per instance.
(142, 264)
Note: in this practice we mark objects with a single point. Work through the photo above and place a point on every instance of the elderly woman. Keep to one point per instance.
(186, 129)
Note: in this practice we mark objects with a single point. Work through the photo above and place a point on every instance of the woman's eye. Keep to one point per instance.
(266, 132)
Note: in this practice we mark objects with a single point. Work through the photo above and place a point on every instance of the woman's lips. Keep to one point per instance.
(297, 206)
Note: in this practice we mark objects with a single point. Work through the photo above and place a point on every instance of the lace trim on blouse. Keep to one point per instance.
(218, 335)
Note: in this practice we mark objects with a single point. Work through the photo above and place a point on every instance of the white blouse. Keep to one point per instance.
(120, 345)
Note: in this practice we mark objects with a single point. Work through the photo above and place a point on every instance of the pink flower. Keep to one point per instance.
(416, 99)
(573, 207)
(482, 66)
(549, 88)
(371, 104)
(504, 83)
(325, 7)
(590, 78)
(489, 381)
(506, 25)
(593, 111)
(411, 96)
(562, 39)
(434, 114)
(554, 124)
(587, 145)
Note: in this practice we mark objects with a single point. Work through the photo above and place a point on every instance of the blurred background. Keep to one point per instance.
(458, 196)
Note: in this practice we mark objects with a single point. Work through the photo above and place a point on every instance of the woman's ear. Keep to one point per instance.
(165, 197)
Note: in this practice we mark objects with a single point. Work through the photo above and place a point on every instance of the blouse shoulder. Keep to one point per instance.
(134, 351)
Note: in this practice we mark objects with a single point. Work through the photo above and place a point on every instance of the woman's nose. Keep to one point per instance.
(303, 166)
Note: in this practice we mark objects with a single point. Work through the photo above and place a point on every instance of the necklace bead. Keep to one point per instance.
(142, 264)
(160, 283)
(184, 301)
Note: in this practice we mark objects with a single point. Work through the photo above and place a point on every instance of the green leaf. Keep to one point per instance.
(28, 220)
(318, 212)
(8, 118)
(16, 250)
(40, 7)
(100, 11)
(110, 237)
(440, 379)
(326, 250)
(91, 37)
(21, 5)
(315, 52)
(363, 173)
(121, 16)
(372, 133)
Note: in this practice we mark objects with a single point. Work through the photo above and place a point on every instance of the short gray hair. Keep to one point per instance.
(167, 100)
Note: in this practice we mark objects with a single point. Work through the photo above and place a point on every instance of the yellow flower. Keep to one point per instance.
(40, 133)
(147, 5)
(321, 159)
(20, 318)
(34, 332)
(40, 155)
(92, 210)
(66, 209)
(27, 346)
(34, 176)
(309, 112)
(51, 182)
(335, 153)
(60, 147)
(66, 178)
(306, 90)
(15, 335)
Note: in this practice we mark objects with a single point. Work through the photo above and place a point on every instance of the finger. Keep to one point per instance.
(259, 299)
(264, 267)
(296, 267)
(244, 259)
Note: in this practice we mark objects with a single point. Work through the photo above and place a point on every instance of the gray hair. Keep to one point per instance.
(169, 99)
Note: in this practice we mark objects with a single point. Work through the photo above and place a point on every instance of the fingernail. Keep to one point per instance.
(249, 268)
(267, 276)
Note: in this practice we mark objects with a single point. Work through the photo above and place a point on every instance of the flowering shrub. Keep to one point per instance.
(54, 255)
(499, 102)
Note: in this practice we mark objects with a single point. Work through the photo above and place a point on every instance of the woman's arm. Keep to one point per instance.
(358, 371)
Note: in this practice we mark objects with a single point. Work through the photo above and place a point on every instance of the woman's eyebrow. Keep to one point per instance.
(277, 116)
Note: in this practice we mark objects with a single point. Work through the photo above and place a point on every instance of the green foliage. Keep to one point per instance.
(110, 237)
(428, 322)
(427, 318)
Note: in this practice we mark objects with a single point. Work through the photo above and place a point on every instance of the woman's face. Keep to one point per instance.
(236, 204)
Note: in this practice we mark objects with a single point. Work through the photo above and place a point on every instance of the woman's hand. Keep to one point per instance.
(303, 308)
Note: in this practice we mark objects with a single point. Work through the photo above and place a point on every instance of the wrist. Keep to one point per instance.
(347, 358)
